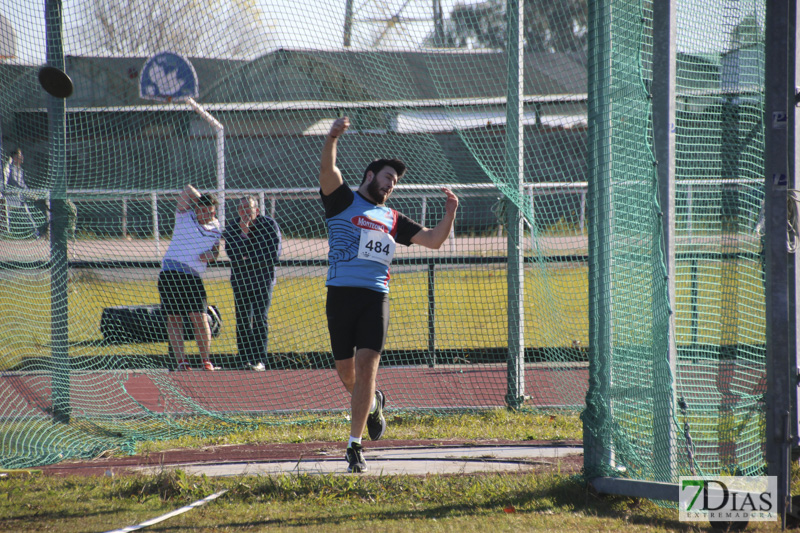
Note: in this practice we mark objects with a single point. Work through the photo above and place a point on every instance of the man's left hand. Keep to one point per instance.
(451, 204)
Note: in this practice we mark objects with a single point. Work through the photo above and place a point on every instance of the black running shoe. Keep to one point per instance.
(355, 459)
(376, 422)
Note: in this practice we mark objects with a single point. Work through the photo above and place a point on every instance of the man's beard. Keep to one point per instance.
(375, 192)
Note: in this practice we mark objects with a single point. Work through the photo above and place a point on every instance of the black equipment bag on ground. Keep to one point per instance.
(146, 323)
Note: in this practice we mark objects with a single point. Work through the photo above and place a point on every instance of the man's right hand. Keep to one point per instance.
(330, 177)
(339, 126)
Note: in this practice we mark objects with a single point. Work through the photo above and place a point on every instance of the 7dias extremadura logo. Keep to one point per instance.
(728, 498)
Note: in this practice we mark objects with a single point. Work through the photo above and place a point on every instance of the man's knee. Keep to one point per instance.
(366, 359)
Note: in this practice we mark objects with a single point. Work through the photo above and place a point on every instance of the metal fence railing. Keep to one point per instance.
(270, 197)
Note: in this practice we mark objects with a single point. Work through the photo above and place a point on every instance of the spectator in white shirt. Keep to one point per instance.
(195, 244)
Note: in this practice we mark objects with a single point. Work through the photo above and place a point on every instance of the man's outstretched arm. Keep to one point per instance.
(330, 177)
(187, 199)
(433, 238)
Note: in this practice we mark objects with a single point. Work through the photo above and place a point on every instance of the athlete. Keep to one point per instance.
(362, 235)
(195, 244)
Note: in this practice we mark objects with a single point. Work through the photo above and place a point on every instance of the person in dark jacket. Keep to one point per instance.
(253, 245)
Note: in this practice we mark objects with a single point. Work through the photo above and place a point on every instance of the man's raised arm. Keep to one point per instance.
(187, 199)
(330, 177)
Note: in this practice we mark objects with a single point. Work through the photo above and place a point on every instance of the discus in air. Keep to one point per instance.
(55, 81)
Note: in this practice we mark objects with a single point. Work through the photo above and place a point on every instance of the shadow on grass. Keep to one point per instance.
(530, 495)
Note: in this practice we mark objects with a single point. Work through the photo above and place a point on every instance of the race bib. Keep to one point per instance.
(376, 246)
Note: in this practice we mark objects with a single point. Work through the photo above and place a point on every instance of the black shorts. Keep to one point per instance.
(357, 318)
(181, 293)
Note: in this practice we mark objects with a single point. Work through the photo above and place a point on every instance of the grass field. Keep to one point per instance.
(494, 502)
(555, 500)
(470, 310)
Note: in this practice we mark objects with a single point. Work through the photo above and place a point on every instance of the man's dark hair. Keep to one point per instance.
(207, 199)
(377, 165)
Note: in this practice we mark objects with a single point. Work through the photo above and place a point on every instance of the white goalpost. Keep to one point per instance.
(169, 77)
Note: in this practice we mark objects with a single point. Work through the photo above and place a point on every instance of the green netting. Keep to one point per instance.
(721, 294)
(717, 423)
(428, 86)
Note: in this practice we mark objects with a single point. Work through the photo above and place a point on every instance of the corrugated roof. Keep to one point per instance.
(290, 75)
(386, 75)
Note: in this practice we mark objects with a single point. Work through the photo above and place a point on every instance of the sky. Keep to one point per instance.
(293, 23)
(318, 24)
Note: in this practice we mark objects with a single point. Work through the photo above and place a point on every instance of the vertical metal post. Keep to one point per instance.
(515, 395)
(438, 23)
(531, 197)
(154, 215)
(694, 299)
(665, 356)
(219, 136)
(348, 22)
(781, 267)
(689, 209)
(219, 133)
(793, 163)
(59, 317)
(431, 314)
(124, 216)
(597, 438)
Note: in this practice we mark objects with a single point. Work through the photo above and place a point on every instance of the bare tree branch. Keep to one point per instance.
(230, 29)
(551, 26)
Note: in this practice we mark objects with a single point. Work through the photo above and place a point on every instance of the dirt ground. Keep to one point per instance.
(275, 452)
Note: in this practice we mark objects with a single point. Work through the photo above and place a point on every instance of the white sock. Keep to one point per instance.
(357, 440)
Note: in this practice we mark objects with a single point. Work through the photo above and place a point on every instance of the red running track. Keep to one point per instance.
(136, 392)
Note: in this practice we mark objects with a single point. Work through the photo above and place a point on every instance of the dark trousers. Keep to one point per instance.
(252, 299)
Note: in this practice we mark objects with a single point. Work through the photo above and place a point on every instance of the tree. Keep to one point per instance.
(746, 33)
(231, 29)
(554, 26)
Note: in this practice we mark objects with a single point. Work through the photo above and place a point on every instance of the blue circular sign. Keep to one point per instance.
(168, 76)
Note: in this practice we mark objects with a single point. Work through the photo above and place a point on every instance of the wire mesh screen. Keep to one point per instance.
(92, 209)
(718, 383)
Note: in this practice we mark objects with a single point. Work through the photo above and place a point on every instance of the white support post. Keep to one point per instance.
(531, 195)
(219, 133)
(689, 210)
(583, 211)
(124, 216)
(515, 390)
(262, 203)
(154, 213)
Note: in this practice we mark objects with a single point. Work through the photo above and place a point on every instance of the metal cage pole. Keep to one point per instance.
(515, 395)
(780, 266)
(665, 357)
(598, 448)
(59, 318)
(597, 439)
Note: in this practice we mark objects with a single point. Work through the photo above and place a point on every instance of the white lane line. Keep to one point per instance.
(176, 512)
